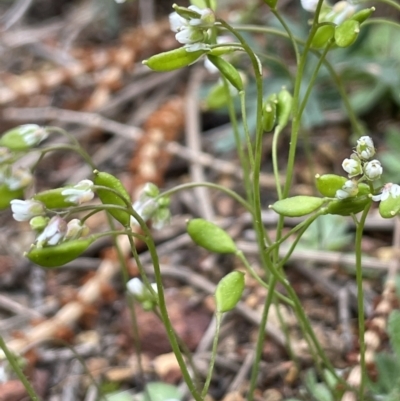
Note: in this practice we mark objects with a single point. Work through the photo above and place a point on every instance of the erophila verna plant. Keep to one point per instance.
(61, 236)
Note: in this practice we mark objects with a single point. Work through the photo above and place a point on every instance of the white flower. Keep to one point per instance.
(309, 5)
(32, 134)
(352, 166)
(79, 193)
(145, 209)
(192, 30)
(19, 178)
(365, 147)
(341, 11)
(373, 170)
(24, 210)
(138, 290)
(349, 189)
(177, 22)
(206, 20)
(75, 229)
(189, 36)
(389, 189)
(53, 233)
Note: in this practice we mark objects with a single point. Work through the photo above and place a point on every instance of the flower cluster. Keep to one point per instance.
(53, 231)
(360, 165)
(361, 169)
(192, 26)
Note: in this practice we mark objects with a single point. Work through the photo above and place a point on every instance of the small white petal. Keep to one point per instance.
(135, 286)
(309, 5)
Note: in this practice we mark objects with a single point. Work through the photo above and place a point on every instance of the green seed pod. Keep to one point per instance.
(363, 189)
(7, 195)
(110, 198)
(297, 206)
(328, 184)
(347, 33)
(211, 237)
(390, 207)
(285, 101)
(363, 15)
(58, 255)
(228, 71)
(323, 35)
(173, 59)
(268, 115)
(53, 199)
(346, 207)
(229, 291)
(217, 97)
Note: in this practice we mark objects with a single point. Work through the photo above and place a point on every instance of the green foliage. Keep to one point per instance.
(328, 233)
(390, 158)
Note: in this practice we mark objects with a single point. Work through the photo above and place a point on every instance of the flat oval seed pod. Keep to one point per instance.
(110, 198)
(58, 255)
(173, 59)
(297, 206)
(211, 237)
(229, 291)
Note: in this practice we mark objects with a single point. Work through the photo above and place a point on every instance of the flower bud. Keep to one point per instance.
(75, 230)
(19, 178)
(53, 234)
(23, 137)
(348, 190)
(79, 193)
(373, 170)
(352, 166)
(24, 210)
(38, 223)
(365, 148)
(142, 293)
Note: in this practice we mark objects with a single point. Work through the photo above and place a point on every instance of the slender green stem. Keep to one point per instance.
(218, 318)
(382, 21)
(391, 3)
(163, 308)
(221, 188)
(275, 167)
(360, 300)
(260, 338)
(296, 103)
(339, 84)
(18, 371)
(296, 241)
(289, 32)
(78, 149)
(259, 280)
(242, 95)
(314, 77)
(244, 162)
